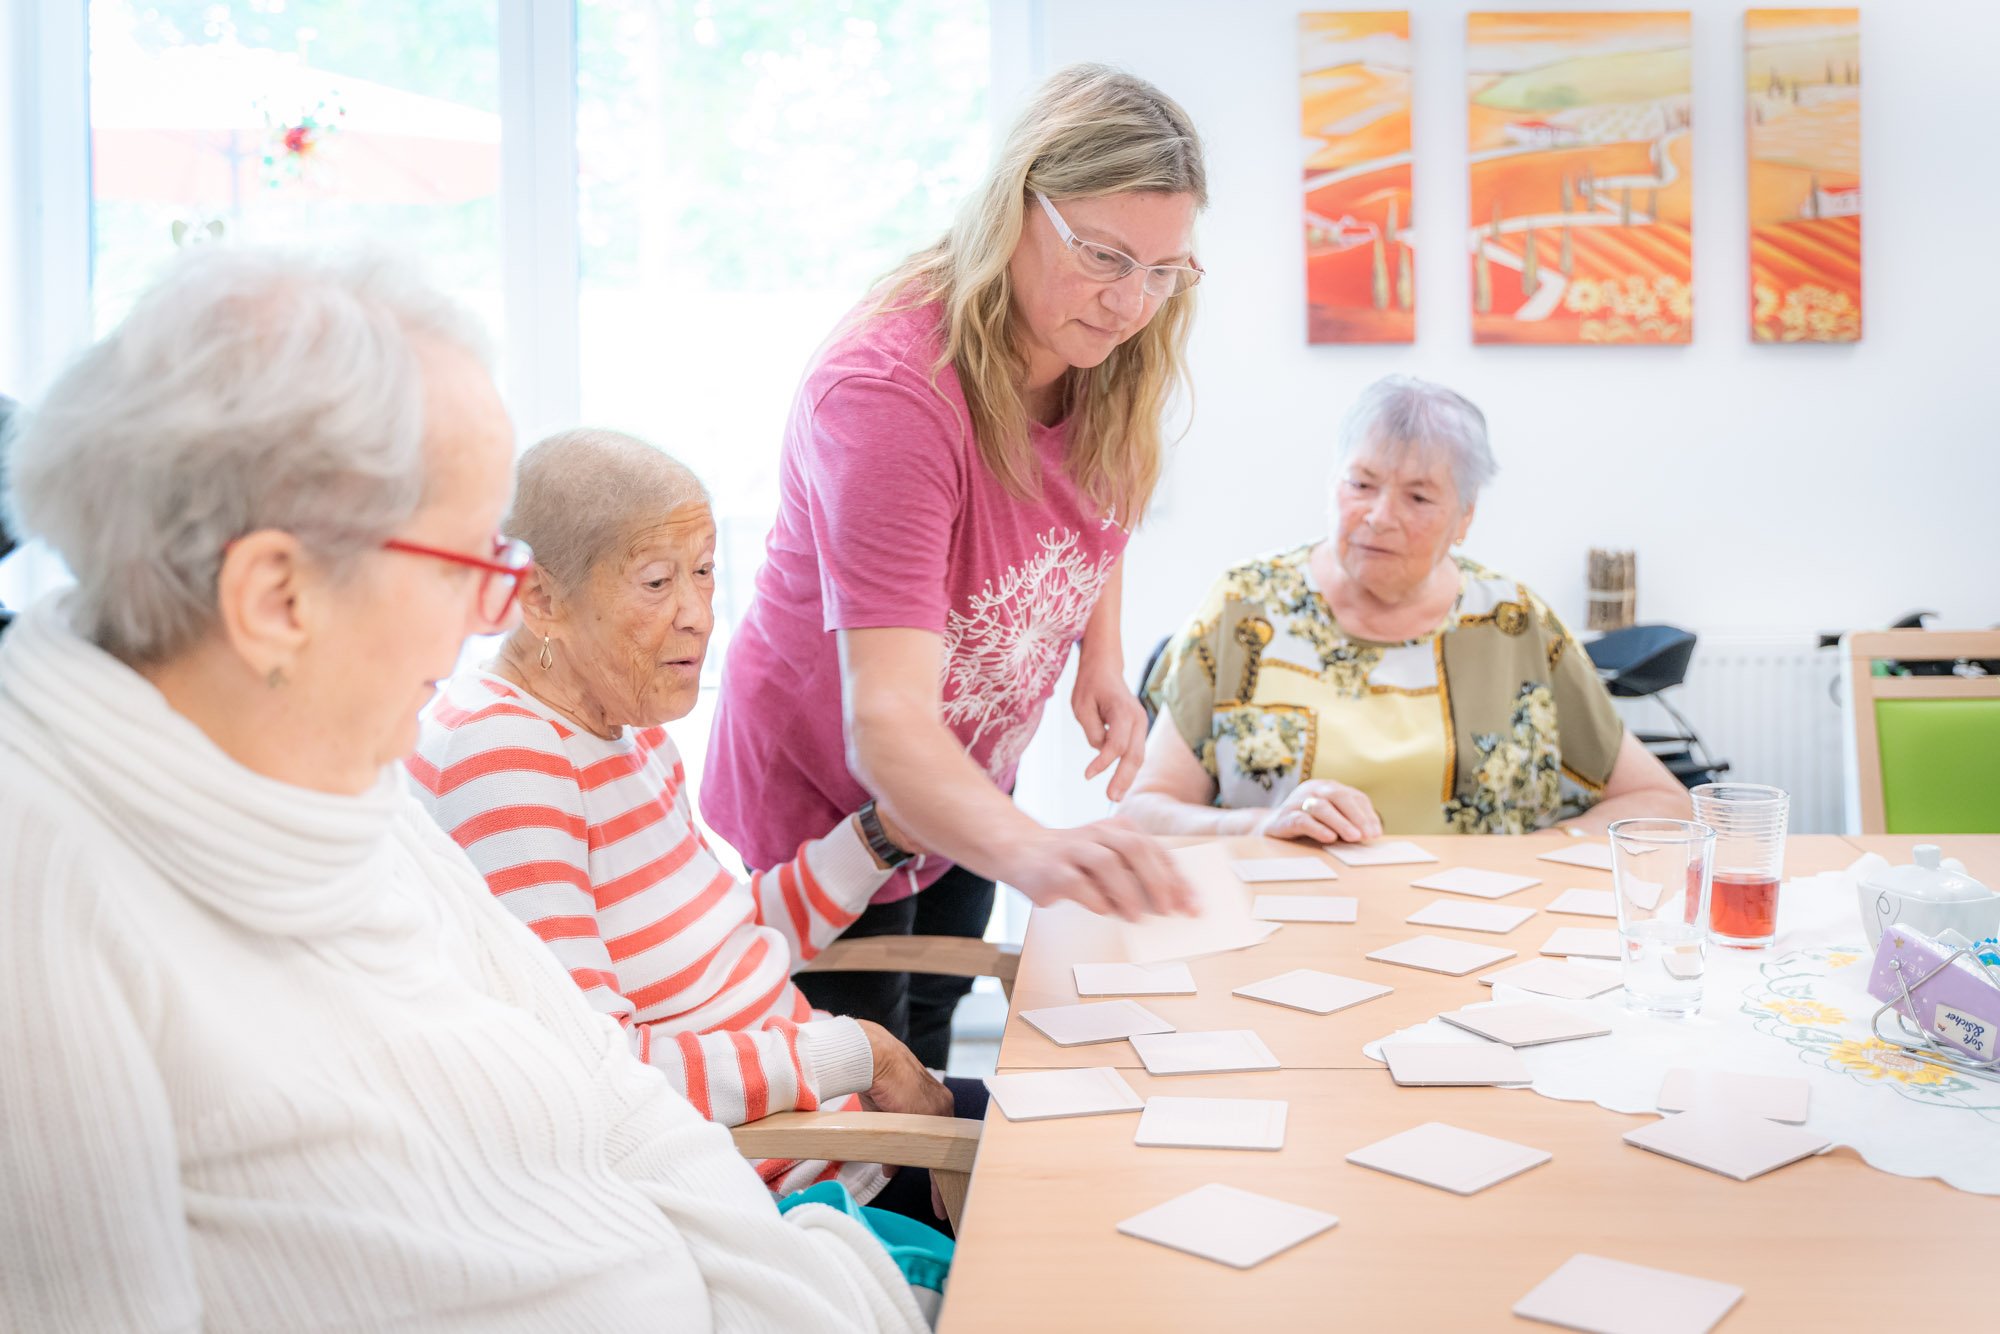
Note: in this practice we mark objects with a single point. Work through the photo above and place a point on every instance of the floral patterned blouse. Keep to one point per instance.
(1495, 723)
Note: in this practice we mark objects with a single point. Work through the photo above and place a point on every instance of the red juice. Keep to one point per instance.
(1743, 905)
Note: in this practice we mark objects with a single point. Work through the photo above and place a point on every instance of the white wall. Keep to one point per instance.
(1765, 489)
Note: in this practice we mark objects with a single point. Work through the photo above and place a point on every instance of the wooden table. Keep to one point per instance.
(1814, 1245)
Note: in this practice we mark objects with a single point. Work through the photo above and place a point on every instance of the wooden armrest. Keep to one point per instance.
(953, 956)
(941, 1143)
(944, 1144)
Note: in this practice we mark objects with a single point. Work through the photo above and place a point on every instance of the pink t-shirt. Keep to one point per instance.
(888, 518)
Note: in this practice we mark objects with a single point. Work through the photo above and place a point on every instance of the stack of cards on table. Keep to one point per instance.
(1432, 1064)
(1203, 1053)
(1773, 1097)
(1524, 1023)
(1497, 918)
(1557, 977)
(1435, 954)
(1313, 991)
(1461, 1161)
(1098, 1021)
(1398, 853)
(1586, 903)
(1735, 1144)
(1230, 1226)
(1601, 1296)
(1281, 870)
(1303, 908)
(1730, 1123)
(1583, 942)
(1475, 882)
(1212, 1123)
(1594, 855)
(1040, 1095)
(1222, 920)
(1133, 979)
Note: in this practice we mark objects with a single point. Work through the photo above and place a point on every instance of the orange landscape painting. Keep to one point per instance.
(1354, 95)
(1581, 177)
(1804, 72)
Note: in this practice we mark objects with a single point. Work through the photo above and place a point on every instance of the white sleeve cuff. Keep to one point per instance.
(844, 866)
(836, 1057)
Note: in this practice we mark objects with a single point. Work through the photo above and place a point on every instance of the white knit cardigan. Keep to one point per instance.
(272, 1059)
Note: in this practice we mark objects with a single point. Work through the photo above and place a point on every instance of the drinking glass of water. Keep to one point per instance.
(1660, 873)
(1749, 824)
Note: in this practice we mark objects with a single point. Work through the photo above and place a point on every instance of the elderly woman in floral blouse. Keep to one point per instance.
(1373, 682)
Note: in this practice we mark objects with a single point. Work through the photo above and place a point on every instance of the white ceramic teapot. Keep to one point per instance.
(1928, 897)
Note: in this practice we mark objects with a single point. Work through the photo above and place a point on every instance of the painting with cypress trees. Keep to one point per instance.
(1803, 68)
(1354, 95)
(1581, 177)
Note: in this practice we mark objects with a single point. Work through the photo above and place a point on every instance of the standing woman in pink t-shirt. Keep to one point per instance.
(964, 462)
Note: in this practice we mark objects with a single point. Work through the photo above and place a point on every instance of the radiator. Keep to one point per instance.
(1765, 704)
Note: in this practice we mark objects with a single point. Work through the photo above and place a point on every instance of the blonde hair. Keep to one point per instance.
(1089, 131)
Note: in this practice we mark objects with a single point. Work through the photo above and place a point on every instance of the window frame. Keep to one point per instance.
(45, 241)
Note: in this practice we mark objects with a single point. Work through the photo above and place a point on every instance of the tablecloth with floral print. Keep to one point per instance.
(1799, 1008)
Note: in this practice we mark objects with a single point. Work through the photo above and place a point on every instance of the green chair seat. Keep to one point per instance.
(1940, 765)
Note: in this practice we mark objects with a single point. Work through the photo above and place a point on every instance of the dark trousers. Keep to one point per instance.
(909, 1190)
(916, 1007)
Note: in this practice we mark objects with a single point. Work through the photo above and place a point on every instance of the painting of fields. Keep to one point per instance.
(1804, 109)
(1581, 177)
(1354, 98)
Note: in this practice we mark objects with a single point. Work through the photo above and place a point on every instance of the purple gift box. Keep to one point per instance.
(1959, 1005)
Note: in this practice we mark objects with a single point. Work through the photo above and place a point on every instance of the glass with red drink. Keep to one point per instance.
(1749, 823)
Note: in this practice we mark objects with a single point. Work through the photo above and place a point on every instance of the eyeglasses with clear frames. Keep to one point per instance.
(1107, 264)
(500, 584)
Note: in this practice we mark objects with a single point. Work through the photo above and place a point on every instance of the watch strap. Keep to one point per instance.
(877, 838)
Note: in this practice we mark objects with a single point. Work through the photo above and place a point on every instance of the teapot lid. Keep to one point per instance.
(1935, 878)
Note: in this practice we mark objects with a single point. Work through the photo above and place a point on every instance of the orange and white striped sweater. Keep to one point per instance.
(593, 844)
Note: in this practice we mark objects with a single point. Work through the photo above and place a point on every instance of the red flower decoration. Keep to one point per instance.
(299, 140)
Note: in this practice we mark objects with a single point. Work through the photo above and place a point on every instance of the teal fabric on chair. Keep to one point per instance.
(1940, 765)
(922, 1253)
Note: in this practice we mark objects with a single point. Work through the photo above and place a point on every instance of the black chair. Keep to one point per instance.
(1644, 662)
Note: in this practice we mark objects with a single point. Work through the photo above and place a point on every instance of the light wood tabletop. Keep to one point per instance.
(1066, 936)
(1826, 1244)
(1816, 1246)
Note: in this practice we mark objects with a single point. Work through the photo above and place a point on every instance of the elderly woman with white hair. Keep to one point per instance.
(553, 768)
(1373, 682)
(274, 1057)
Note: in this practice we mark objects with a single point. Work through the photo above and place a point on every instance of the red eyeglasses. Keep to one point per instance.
(501, 583)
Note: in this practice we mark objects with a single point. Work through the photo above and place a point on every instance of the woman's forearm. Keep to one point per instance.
(1103, 640)
(1664, 803)
(1160, 813)
(1638, 786)
(934, 791)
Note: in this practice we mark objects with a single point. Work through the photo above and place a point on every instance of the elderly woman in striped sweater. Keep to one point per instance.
(552, 768)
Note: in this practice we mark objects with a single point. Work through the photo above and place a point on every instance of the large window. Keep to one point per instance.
(747, 169)
(742, 171)
(297, 122)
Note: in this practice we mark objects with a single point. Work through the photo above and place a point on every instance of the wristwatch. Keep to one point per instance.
(887, 853)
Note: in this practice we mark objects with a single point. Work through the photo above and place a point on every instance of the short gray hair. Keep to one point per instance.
(579, 494)
(1400, 415)
(249, 389)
